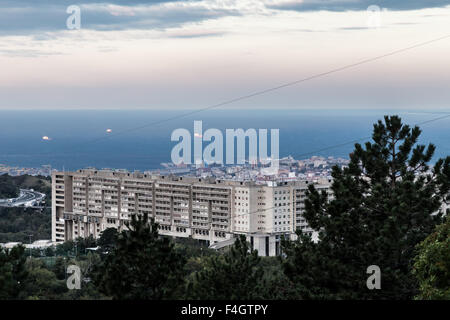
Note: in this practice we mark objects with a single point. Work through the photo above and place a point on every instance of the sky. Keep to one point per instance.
(193, 54)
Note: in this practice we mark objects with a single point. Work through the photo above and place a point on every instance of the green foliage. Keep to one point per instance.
(59, 268)
(88, 291)
(142, 265)
(16, 224)
(234, 275)
(8, 189)
(65, 249)
(12, 272)
(275, 284)
(74, 248)
(192, 247)
(383, 205)
(48, 282)
(108, 239)
(432, 264)
(41, 283)
(49, 252)
(82, 244)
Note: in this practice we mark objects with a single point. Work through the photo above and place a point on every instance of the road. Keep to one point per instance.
(27, 198)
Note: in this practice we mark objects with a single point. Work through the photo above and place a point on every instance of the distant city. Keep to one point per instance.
(289, 169)
(44, 170)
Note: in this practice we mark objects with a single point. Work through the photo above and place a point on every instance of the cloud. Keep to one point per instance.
(157, 16)
(117, 11)
(193, 34)
(26, 17)
(347, 5)
(28, 53)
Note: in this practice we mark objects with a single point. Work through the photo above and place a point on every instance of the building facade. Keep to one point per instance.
(88, 201)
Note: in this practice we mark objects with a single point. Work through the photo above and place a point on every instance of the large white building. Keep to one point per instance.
(88, 201)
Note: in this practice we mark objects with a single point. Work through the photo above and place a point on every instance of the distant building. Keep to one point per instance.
(40, 244)
(10, 245)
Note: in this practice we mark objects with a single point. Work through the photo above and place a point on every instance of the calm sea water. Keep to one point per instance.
(79, 138)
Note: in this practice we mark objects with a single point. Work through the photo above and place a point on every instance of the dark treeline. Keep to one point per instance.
(185, 269)
(169, 270)
(17, 224)
(8, 189)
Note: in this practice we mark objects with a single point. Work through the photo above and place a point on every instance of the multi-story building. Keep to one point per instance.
(88, 201)
(299, 190)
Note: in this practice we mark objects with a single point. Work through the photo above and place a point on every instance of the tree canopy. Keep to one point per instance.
(384, 203)
(432, 264)
(235, 275)
(142, 264)
(12, 272)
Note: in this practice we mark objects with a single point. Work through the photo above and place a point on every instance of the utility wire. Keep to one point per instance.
(262, 92)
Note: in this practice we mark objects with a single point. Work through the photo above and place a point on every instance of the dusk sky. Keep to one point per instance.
(192, 54)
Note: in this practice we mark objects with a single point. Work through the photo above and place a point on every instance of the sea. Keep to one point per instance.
(141, 139)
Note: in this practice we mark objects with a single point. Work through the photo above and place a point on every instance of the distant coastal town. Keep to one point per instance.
(289, 169)
(44, 170)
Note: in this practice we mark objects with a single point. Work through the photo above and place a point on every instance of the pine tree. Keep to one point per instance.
(235, 275)
(432, 264)
(384, 203)
(142, 265)
(107, 240)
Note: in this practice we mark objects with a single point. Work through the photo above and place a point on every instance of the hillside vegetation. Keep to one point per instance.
(17, 224)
